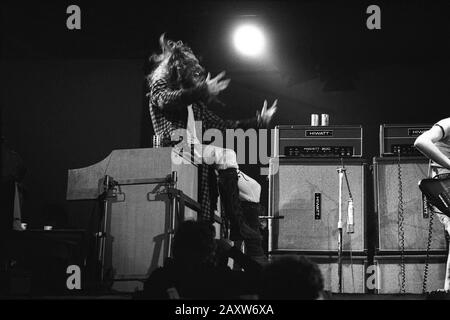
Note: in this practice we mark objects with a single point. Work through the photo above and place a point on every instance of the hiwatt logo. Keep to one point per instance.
(415, 132)
(319, 133)
(317, 206)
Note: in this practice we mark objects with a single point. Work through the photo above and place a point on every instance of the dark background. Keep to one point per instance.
(69, 98)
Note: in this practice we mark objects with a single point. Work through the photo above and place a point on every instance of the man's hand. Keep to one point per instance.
(216, 85)
(266, 114)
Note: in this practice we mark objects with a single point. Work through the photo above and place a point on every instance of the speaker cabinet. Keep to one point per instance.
(416, 217)
(137, 220)
(138, 229)
(388, 275)
(353, 272)
(138, 242)
(304, 200)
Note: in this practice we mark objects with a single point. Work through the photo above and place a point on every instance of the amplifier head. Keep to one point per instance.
(319, 141)
(398, 139)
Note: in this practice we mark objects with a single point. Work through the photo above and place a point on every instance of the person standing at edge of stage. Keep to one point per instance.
(435, 144)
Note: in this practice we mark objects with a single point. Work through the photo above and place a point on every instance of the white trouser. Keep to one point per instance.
(249, 189)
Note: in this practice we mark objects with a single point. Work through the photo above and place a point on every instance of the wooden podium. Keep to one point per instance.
(144, 193)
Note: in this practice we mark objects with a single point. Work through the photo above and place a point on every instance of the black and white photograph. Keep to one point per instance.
(223, 157)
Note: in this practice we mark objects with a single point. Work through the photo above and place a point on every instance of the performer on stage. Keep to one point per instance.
(435, 144)
(179, 92)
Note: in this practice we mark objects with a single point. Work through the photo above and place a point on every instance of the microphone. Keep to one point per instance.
(350, 222)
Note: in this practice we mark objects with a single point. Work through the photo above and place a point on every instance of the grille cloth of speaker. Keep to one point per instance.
(294, 190)
(388, 276)
(415, 224)
(353, 276)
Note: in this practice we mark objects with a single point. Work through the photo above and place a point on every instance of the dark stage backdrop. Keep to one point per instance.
(71, 97)
(61, 114)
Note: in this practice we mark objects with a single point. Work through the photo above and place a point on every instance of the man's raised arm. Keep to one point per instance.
(162, 96)
(425, 143)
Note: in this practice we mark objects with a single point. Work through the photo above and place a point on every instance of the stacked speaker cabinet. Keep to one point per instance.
(418, 271)
(404, 227)
(397, 180)
(304, 205)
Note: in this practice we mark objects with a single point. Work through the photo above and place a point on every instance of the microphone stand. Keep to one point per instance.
(342, 172)
(341, 176)
(107, 185)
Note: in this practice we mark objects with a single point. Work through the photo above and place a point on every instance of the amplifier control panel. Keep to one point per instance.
(318, 151)
(405, 150)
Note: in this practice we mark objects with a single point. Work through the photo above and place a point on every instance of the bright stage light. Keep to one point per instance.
(249, 40)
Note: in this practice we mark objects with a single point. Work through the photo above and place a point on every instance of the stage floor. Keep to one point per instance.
(329, 296)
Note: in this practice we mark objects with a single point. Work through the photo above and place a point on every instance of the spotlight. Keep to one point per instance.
(249, 40)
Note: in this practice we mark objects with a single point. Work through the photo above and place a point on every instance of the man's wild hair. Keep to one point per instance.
(176, 62)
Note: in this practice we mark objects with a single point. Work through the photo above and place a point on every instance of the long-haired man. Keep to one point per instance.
(180, 91)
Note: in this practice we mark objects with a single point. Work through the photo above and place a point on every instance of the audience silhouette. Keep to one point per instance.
(198, 269)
